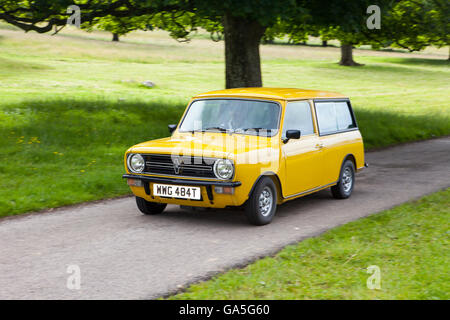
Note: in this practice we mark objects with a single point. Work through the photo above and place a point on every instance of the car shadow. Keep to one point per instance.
(233, 217)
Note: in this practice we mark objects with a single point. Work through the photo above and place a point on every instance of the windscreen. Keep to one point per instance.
(232, 115)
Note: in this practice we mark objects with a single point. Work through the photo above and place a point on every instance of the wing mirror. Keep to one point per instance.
(292, 134)
(172, 127)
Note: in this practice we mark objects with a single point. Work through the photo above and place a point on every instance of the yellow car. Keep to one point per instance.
(253, 148)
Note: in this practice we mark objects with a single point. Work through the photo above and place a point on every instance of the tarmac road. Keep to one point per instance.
(123, 254)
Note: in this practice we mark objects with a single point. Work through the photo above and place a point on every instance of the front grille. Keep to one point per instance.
(188, 166)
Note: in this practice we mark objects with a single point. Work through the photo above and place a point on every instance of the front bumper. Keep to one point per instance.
(183, 181)
(207, 184)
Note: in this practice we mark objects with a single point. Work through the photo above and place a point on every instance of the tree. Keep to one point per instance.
(348, 41)
(348, 24)
(341, 20)
(409, 24)
(243, 23)
(416, 24)
(121, 26)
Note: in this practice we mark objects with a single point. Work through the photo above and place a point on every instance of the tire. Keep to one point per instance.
(343, 189)
(147, 207)
(265, 191)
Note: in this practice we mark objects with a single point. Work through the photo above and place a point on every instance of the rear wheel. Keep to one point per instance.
(262, 204)
(343, 189)
(147, 207)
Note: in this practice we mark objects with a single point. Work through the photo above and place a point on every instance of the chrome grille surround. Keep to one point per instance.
(184, 166)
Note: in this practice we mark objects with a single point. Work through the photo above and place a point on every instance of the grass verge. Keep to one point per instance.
(409, 243)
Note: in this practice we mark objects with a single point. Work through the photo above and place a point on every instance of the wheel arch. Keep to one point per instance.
(350, 157)
(276, 180)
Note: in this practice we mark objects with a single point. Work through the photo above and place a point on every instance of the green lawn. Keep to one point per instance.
(71, 104)
(409, 243)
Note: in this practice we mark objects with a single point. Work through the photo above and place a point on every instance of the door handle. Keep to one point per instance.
(319, 145)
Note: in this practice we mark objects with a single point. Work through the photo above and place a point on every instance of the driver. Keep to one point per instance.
(232, 117)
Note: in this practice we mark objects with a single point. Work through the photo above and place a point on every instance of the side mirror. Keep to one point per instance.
(172, 127)
(292, 134)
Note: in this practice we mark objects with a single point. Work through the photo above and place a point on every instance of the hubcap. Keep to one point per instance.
(347, 179)
(265, 201)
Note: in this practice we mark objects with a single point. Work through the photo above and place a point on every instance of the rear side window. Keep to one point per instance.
(298, 117)
(334, 117)
(344, 117)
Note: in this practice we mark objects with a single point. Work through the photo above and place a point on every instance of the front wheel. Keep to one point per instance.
(262, 204)
(343, 189)
(147, 207)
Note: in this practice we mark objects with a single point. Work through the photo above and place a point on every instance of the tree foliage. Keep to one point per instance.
(122, 26)
(416, 24)
(183, 14)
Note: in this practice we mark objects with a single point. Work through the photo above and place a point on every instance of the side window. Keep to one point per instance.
(298, 117)
(344, 117)
(326, 117)
(333, 117)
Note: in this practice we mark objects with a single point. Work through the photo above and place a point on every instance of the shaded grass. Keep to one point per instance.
(417, 62)
(409, 243)
(381, 129)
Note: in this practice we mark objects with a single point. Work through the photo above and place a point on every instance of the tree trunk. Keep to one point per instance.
(324, 43)
(242, 60)
(347, 55)
(115, 37)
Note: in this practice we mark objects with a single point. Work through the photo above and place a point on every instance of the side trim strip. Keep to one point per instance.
(311, 190)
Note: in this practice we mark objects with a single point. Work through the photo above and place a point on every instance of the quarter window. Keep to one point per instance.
(344, 117)
(298, 117)
(334, 117)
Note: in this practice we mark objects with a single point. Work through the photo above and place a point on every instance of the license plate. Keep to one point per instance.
(174, 191)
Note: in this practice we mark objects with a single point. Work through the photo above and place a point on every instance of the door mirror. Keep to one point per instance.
(292, 134)
(172, 127)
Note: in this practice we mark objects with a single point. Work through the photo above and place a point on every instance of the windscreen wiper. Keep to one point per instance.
(245, 129)
(258, 129)
(216, 128)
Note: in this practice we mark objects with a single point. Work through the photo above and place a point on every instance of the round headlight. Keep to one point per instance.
(223, 169)
(136, 163)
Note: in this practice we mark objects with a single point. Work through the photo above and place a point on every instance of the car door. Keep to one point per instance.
(302, 156)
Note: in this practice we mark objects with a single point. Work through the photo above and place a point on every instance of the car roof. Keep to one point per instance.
(271, 93)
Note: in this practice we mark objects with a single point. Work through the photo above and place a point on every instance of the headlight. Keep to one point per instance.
(223, 169)
(136, 163)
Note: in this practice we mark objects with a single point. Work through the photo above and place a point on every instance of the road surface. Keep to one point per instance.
(122, 254)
